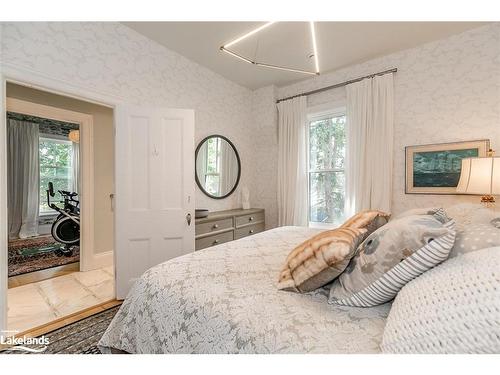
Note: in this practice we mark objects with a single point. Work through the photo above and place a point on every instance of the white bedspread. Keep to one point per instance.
(224, 300)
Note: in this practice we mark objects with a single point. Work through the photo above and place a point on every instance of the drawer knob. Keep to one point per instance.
(250, 231)
(215, 226)
(215, 242)
(250, 218)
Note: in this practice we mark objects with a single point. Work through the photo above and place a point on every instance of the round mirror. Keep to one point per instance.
(218, 166)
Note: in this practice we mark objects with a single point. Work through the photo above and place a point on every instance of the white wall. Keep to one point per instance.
(445, 91)
(265, 153)
(112, 59)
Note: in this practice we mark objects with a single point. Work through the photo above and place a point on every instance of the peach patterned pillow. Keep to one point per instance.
(370, 220)
(320, 259)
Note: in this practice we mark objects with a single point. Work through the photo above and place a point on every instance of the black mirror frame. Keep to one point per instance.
(237, 158)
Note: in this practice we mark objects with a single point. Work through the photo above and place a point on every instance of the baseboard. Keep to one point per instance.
(49, 273)
(99, 260)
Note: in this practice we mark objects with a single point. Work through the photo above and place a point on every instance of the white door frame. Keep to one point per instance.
(12, 73)
(87, 261)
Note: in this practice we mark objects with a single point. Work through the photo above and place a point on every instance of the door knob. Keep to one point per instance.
(188, 219)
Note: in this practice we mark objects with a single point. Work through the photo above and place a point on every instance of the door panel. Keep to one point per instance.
(154, 189)
(138, 146)
(171, 194)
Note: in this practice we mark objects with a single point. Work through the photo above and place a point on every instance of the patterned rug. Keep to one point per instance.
(77, 338)
(37, 253)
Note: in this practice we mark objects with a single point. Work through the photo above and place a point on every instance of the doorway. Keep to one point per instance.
(41, 151)
(72, 148)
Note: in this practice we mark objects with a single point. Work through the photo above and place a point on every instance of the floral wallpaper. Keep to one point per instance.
(264, 184)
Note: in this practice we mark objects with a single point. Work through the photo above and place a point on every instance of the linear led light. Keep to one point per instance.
(315, 48)
(227, 45)
(236, 55)
(225, 48)
(284, 68)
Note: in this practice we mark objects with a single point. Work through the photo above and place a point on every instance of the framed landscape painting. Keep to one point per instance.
(435, 169)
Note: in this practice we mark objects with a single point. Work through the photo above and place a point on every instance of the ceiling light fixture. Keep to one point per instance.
(227, 45)
(284, 68)
(315, 48)
(225, 48)
(238, 56)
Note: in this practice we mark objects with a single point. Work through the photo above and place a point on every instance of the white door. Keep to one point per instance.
(154, 213)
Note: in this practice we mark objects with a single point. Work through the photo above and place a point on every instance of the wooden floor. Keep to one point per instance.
(35, 304)
(49, 273)
(59, 323)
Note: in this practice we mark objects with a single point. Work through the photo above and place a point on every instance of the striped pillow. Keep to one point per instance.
(391, 257)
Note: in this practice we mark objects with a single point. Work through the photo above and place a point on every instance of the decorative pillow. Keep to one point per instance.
(392, 256)
(418, 211)
(466, 214)
(476, 237)
(453, 308)
(320, 259)
(369, 220)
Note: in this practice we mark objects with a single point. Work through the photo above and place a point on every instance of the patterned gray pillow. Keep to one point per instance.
(476, 236)
(392, 256)
(418, 211)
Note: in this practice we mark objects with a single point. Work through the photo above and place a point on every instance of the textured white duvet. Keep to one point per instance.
(224, 300)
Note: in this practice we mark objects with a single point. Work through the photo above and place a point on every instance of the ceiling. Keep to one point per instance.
(339, 44)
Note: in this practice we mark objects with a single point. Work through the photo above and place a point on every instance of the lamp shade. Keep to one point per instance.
(74, 136)
(480, 176)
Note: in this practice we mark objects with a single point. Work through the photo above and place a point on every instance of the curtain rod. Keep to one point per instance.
(393, 70)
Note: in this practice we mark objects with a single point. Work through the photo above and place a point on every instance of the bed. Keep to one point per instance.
(224, 300)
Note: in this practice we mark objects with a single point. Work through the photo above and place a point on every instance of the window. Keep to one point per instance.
(327, 140)
(212, 173)
(55, 166)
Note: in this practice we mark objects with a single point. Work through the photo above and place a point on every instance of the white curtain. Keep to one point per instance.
(201, 163)
(75, 166)
(228, 168)
(292, 162)
(23, 178)
(370, 124)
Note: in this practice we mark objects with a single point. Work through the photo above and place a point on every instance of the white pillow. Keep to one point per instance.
(466, 214)
(453, 308)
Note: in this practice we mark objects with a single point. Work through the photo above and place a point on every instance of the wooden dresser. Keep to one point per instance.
(224, 226)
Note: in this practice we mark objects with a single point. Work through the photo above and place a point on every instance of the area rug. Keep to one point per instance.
(77, 338)
(35, 254)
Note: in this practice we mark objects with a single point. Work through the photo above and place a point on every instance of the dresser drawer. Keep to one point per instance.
(213, 226)
(216, 239)
(248, 230)
(249, 219)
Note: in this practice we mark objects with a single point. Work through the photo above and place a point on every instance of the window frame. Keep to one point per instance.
(217, 161)
(317, 114)
(57, 139)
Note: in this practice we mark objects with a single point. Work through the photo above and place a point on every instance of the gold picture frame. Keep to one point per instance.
(435, 168)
